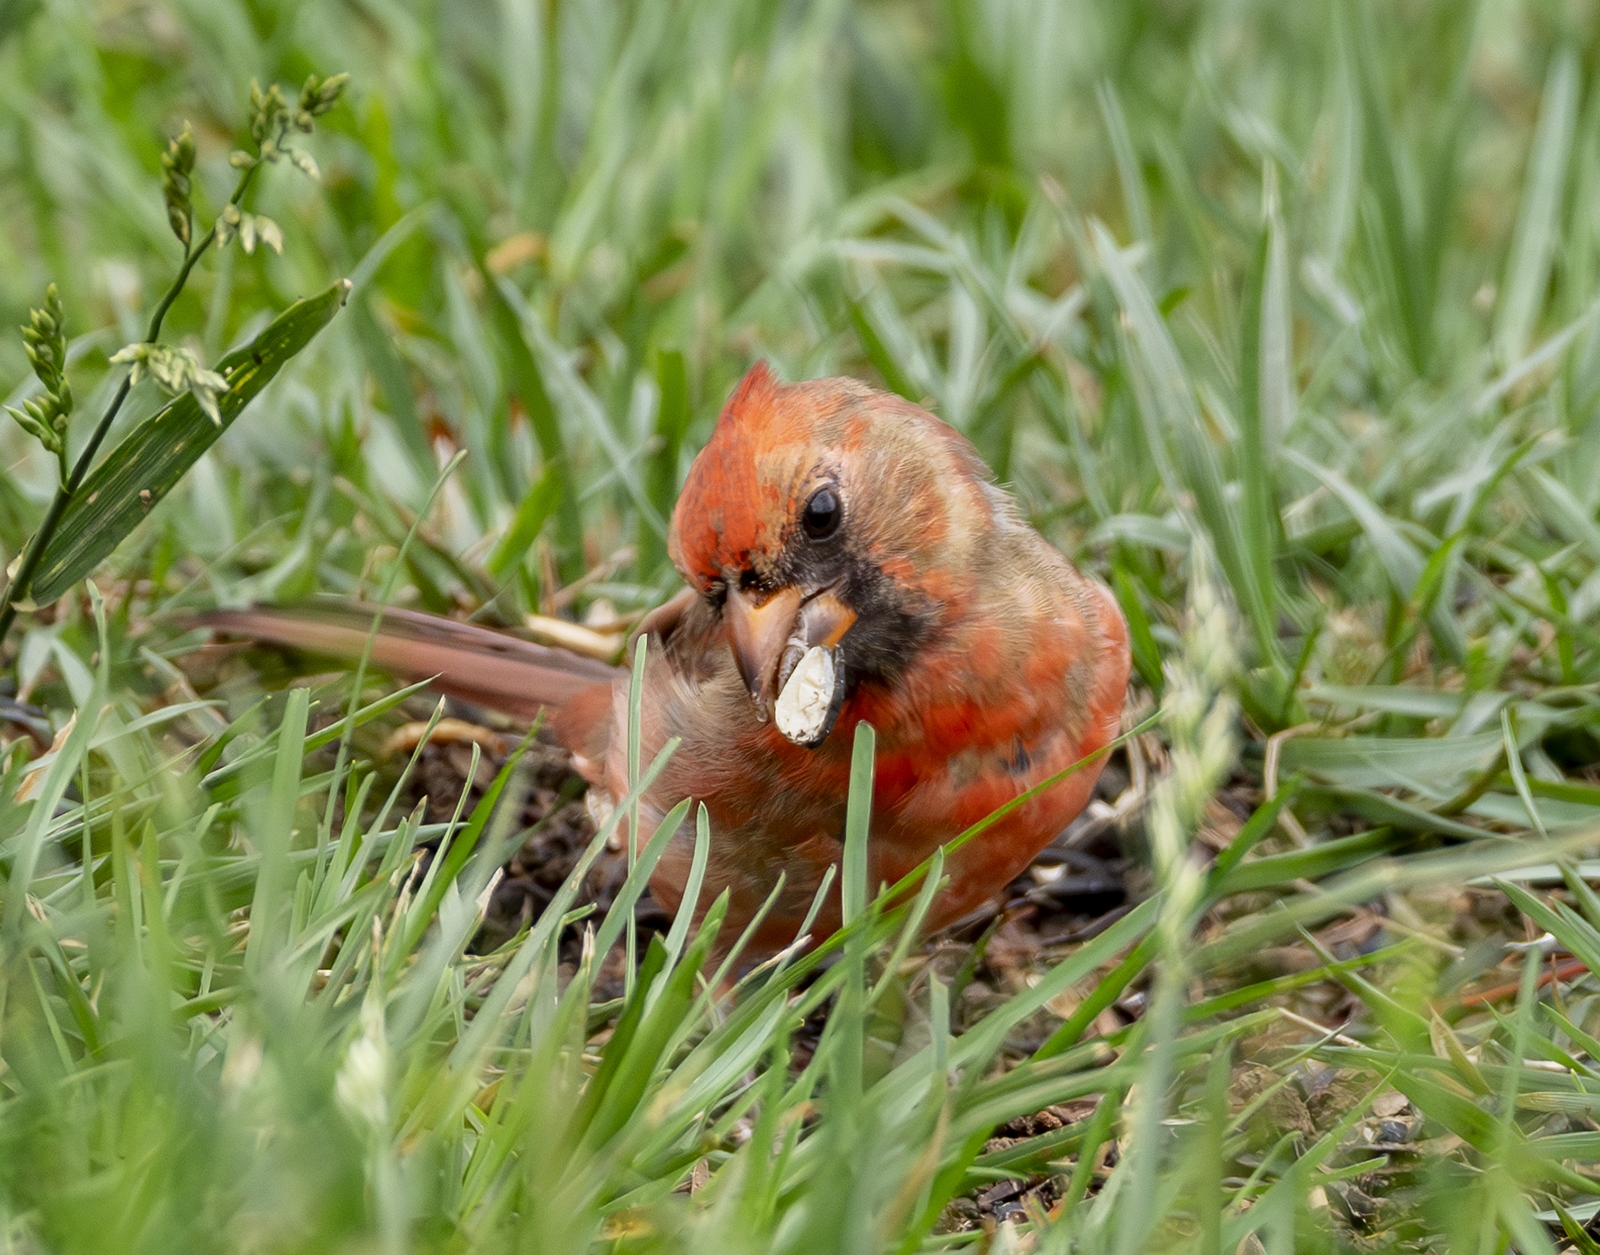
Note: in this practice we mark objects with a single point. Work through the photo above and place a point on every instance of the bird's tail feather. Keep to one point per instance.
(467, 662)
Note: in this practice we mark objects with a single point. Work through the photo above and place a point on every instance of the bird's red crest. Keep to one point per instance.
(733, 504)
(751, 400)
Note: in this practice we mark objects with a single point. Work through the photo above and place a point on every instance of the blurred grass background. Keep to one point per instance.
(1280, 318)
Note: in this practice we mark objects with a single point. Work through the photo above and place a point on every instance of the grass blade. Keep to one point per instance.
(1533, 242)
(118, 494)
(857, 825)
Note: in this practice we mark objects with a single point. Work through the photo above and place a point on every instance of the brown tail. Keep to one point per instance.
(464, 661)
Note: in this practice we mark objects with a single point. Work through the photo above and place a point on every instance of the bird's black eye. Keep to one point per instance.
(821, 516)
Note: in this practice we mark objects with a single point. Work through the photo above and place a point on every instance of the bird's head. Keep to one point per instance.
(834, 526)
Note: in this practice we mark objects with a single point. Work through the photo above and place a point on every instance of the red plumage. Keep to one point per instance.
(831, 517)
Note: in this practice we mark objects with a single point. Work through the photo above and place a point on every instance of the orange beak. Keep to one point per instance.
(763, 625)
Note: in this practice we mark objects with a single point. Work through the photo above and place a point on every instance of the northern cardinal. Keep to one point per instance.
(848, 558)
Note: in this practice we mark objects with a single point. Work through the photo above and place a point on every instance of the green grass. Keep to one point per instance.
(1280, 318)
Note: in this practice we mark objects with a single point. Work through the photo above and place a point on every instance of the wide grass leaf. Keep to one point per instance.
(149, 462)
